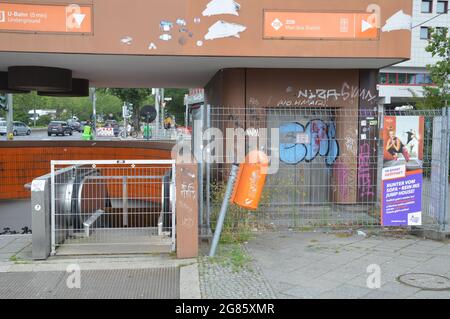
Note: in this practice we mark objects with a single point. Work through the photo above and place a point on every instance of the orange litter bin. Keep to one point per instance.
(250, 181)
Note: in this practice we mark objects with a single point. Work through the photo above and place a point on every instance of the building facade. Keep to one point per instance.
(401, 82)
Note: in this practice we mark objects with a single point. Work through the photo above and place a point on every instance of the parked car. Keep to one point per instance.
(19, 128)
(3, 128)
(75, 125)
(59, 128)
(114, 125)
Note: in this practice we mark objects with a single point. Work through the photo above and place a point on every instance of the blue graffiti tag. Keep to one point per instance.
(321, 137)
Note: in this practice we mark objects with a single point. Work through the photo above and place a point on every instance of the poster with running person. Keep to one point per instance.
(402, 171)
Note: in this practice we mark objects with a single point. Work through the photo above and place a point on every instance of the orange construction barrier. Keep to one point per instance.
(250, 180)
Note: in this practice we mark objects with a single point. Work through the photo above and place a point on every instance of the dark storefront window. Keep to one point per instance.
(405, 79)
(401, 78)
(392, 79)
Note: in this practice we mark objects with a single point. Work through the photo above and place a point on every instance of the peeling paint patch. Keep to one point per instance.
(166, 26)
(165, 37)
(217, 7)
(126, 40)
(222, 29)
(399, 21)
(181, 22)
(182, 41)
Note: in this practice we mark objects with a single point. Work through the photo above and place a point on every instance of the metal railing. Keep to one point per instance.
(113, 206)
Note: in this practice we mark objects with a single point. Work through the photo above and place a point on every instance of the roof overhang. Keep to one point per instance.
(136, 71)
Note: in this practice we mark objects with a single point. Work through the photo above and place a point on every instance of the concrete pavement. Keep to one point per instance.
(320, 265)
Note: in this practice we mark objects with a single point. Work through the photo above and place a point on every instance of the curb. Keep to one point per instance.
(189, 282)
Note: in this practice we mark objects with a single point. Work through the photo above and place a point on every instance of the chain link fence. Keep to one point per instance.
(327, 166)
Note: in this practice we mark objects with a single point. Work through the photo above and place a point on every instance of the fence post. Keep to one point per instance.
(186, 184)
(445, 145)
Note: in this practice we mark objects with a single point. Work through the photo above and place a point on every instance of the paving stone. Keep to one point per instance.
(339, 276)
(378, 294)
(345, 291)
(221, 281)
(424, 294)
(301, 292)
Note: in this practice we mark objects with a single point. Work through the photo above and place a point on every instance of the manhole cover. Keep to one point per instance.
(425, 281)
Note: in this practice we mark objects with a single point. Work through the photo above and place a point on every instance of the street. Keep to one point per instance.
(41, 135)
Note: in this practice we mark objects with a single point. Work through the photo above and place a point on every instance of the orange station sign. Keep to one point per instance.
(45, 18)
(320, 25)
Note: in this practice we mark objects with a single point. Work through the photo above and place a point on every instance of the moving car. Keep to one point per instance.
(75, 125)
(59, 128)
(19, 128)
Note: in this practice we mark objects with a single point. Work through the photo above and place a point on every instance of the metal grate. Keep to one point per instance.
(158, 283)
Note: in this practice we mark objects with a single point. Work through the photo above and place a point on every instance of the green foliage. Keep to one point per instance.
(137, 97)
(439, 47)
(176, 107)
(239, 222)
(43, 120)
(65, 107)
(234, 256)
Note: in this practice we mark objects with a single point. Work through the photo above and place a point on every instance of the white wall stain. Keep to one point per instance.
(166, 26)
(126, 40)
(181, 22)
(222, 29)
(152, 46)
(399, 21)
(165, 37)
(217, 7)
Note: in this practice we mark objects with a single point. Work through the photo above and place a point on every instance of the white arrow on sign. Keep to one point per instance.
(79, 18)
(366, 26)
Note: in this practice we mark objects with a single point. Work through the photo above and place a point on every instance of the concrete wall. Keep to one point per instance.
(239, 98)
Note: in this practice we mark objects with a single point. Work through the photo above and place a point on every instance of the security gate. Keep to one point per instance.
(311, 180)
(119, 206)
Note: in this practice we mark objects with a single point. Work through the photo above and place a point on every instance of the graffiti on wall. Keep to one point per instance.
(344, 178)
(365, 183)
(299, 143)
(322, 96)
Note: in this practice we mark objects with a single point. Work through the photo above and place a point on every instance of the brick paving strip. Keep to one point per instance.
(219, 280)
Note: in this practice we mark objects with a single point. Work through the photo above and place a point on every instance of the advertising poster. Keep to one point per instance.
(402, 171)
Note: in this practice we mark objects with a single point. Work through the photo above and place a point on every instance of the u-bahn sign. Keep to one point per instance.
(320, 25)
(45, 18)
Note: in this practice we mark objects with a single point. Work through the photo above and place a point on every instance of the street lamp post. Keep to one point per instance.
(9, 117)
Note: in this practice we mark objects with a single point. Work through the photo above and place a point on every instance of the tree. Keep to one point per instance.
(176, 106)
(439, 46)
(137, 97)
